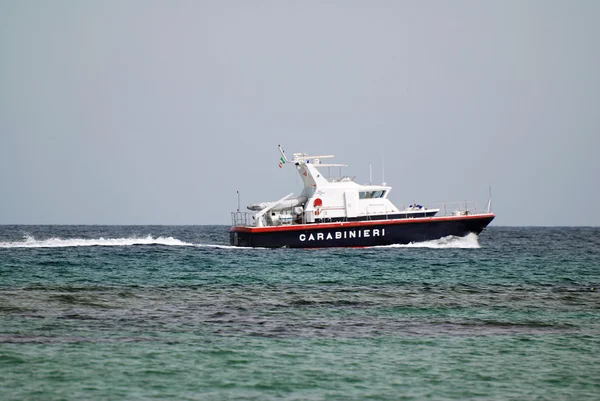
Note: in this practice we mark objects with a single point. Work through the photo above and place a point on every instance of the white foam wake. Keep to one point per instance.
(468, 241)
(31, 242)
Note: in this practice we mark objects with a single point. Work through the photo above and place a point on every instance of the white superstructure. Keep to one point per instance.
(324, 200)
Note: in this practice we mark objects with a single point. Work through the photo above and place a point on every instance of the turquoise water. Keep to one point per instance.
(159, 312)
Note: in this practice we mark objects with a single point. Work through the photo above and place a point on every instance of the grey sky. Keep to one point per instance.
(156, 112)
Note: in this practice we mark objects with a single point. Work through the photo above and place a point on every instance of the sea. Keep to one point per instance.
(175, 313)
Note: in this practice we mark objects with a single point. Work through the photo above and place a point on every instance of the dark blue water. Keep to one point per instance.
(144, 312)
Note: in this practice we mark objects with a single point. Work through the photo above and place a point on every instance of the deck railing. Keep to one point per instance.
(459, 208)
(451, 208)
(242, 218)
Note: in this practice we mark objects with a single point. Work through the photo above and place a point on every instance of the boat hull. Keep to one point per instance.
(359, 234)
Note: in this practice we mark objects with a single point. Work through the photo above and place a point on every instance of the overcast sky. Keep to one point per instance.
(157, 112)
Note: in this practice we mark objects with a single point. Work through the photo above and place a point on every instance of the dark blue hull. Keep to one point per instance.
(359, 234)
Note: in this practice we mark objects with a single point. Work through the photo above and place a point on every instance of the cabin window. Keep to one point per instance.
(371, 194)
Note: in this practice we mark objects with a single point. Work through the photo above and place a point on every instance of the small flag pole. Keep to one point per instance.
(285, 160)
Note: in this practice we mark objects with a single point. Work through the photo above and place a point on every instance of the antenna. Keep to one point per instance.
(489, 205)
(382, 167)
(370, 174)
(238, 194)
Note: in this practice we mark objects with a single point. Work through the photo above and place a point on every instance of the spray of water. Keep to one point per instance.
(468, 241)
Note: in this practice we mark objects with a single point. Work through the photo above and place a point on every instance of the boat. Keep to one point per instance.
(338, 212)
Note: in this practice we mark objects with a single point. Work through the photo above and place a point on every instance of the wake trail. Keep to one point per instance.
(55, 242)
(469, 241)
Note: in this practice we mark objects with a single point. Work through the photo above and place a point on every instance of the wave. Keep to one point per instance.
(469, 241)
(31, 242)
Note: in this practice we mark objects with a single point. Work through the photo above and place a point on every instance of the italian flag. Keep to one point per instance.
(281, 162)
